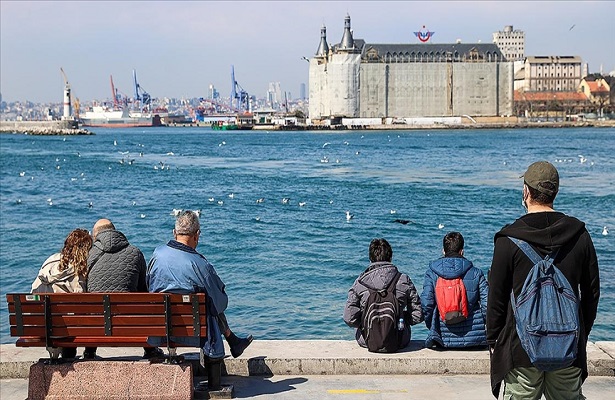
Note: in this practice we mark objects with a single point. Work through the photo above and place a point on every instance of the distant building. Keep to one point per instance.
(552, 73)
(356, 79)
(274, 94)
(597, 91)
(511, 43)
(212, 94)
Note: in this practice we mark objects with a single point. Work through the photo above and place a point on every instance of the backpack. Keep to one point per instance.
(546, 313)
(380, 318)
(452, 300)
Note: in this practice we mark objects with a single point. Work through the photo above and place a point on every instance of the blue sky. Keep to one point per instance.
(179, 48)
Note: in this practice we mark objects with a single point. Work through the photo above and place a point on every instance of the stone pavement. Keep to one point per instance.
(332, 369)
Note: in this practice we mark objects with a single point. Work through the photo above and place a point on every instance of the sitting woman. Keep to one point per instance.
(66, 271)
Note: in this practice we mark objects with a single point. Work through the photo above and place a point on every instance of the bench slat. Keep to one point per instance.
(98, 320)
(94, 341)
(136, 308)
(86, 298)
(128, 331)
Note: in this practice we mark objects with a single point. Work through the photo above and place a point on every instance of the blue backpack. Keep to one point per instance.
(546, 313)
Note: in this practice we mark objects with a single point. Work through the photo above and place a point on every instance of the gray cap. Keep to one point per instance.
(542, 172)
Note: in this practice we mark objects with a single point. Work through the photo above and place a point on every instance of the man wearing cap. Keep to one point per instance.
(547, 231)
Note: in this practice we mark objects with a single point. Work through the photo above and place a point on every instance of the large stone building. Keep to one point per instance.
(356, 79)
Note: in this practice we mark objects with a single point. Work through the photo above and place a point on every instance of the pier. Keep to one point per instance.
(57, 128)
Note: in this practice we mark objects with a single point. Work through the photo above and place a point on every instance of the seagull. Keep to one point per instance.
(257, 219)
(90, 205)
(393, 211)
(18, 201)
(325, 145)
(349, 216)
(134, 203)
(175, 212)
(115, 142)
(260, 200)
(440, 226)
(22, 173)
(198, 213)
(123, 152)
(330, 201)
(582, 159)
(231, 196)
(325, 159)
(211, 199)
(170, 153)
(302, 203)
(220, 202)
(346, 143)
(285, 200)
(142, 215)
(572, 27)
(605, 231)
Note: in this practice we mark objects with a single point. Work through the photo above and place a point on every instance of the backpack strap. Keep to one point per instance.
(531, 253)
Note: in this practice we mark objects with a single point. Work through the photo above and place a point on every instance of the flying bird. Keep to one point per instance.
(572, 27)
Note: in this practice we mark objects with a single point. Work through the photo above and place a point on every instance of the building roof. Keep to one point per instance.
(461, 49)
(596, 86)
(553, 59)
(549, 96)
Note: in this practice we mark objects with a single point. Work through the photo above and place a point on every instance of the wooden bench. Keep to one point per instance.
(55, 320)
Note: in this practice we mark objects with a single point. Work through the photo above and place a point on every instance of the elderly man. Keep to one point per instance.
(177, 267)
(115, 266)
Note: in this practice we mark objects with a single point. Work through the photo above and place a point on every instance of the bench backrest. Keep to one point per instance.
(107, 314)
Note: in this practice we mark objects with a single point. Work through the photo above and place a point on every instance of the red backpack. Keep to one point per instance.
(452, 300)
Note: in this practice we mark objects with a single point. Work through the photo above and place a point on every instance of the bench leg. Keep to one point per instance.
(214, 372)
(54, 352)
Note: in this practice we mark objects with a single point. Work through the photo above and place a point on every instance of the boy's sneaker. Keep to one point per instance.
(89, 355)
(154, 352)
(238, 347)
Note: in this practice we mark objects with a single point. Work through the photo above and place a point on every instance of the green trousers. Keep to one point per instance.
(531, 384)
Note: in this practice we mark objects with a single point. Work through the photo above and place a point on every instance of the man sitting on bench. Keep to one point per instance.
(177, 267)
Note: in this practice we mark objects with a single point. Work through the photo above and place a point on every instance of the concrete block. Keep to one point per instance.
(600, 362)
(97, 380)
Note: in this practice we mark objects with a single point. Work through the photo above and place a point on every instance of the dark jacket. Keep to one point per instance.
(546, 232)
(379, 275)
(115, 265)
(470, 332)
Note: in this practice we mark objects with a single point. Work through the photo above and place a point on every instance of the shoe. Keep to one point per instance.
(153, 353)
(89, 355)
(238, 348)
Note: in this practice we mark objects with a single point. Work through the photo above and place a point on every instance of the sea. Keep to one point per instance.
(288, 266)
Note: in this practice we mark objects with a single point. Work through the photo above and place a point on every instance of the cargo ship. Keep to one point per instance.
(103, 117)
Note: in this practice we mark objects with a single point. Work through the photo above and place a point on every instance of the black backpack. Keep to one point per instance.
(379, 323)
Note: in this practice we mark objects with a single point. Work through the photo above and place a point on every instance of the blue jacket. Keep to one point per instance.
(177, 268)
(470, 332)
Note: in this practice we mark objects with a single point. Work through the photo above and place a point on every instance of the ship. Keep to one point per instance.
(104, 117)
(125, 112)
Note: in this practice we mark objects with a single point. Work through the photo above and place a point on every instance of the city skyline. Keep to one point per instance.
(179, 48)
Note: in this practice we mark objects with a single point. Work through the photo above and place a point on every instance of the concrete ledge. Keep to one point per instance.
(321, 357)
(121, 380)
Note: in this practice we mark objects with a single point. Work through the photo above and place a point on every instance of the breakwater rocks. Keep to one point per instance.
(57, 128)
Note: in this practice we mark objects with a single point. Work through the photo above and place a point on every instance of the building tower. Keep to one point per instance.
(323, 47)
(347, 42)
(511, 43)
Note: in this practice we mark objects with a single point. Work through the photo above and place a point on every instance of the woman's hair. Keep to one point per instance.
(75, 251)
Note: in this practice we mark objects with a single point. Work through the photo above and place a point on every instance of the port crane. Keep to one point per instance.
(140, 94)
(119, 101)
(238, 94)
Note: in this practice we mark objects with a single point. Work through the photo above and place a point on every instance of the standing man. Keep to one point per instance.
(115, 266)
(469, 331)
(548, 232)
(177, 267)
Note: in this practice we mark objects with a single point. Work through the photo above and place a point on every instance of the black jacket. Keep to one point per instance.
(115, 265)
(545, 232)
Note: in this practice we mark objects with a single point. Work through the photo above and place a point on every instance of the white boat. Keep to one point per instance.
(105, 117)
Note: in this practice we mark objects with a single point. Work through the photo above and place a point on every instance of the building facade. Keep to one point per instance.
(552, 73)
(356, 79)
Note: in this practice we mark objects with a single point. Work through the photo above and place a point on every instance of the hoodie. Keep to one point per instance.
(51, 280)
(546, 232)
(379, 275)
(470, 332)
(115, 265)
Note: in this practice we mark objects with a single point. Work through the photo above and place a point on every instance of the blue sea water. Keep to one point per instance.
(288, 267)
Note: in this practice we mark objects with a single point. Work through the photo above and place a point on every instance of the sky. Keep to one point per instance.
(179, 48)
